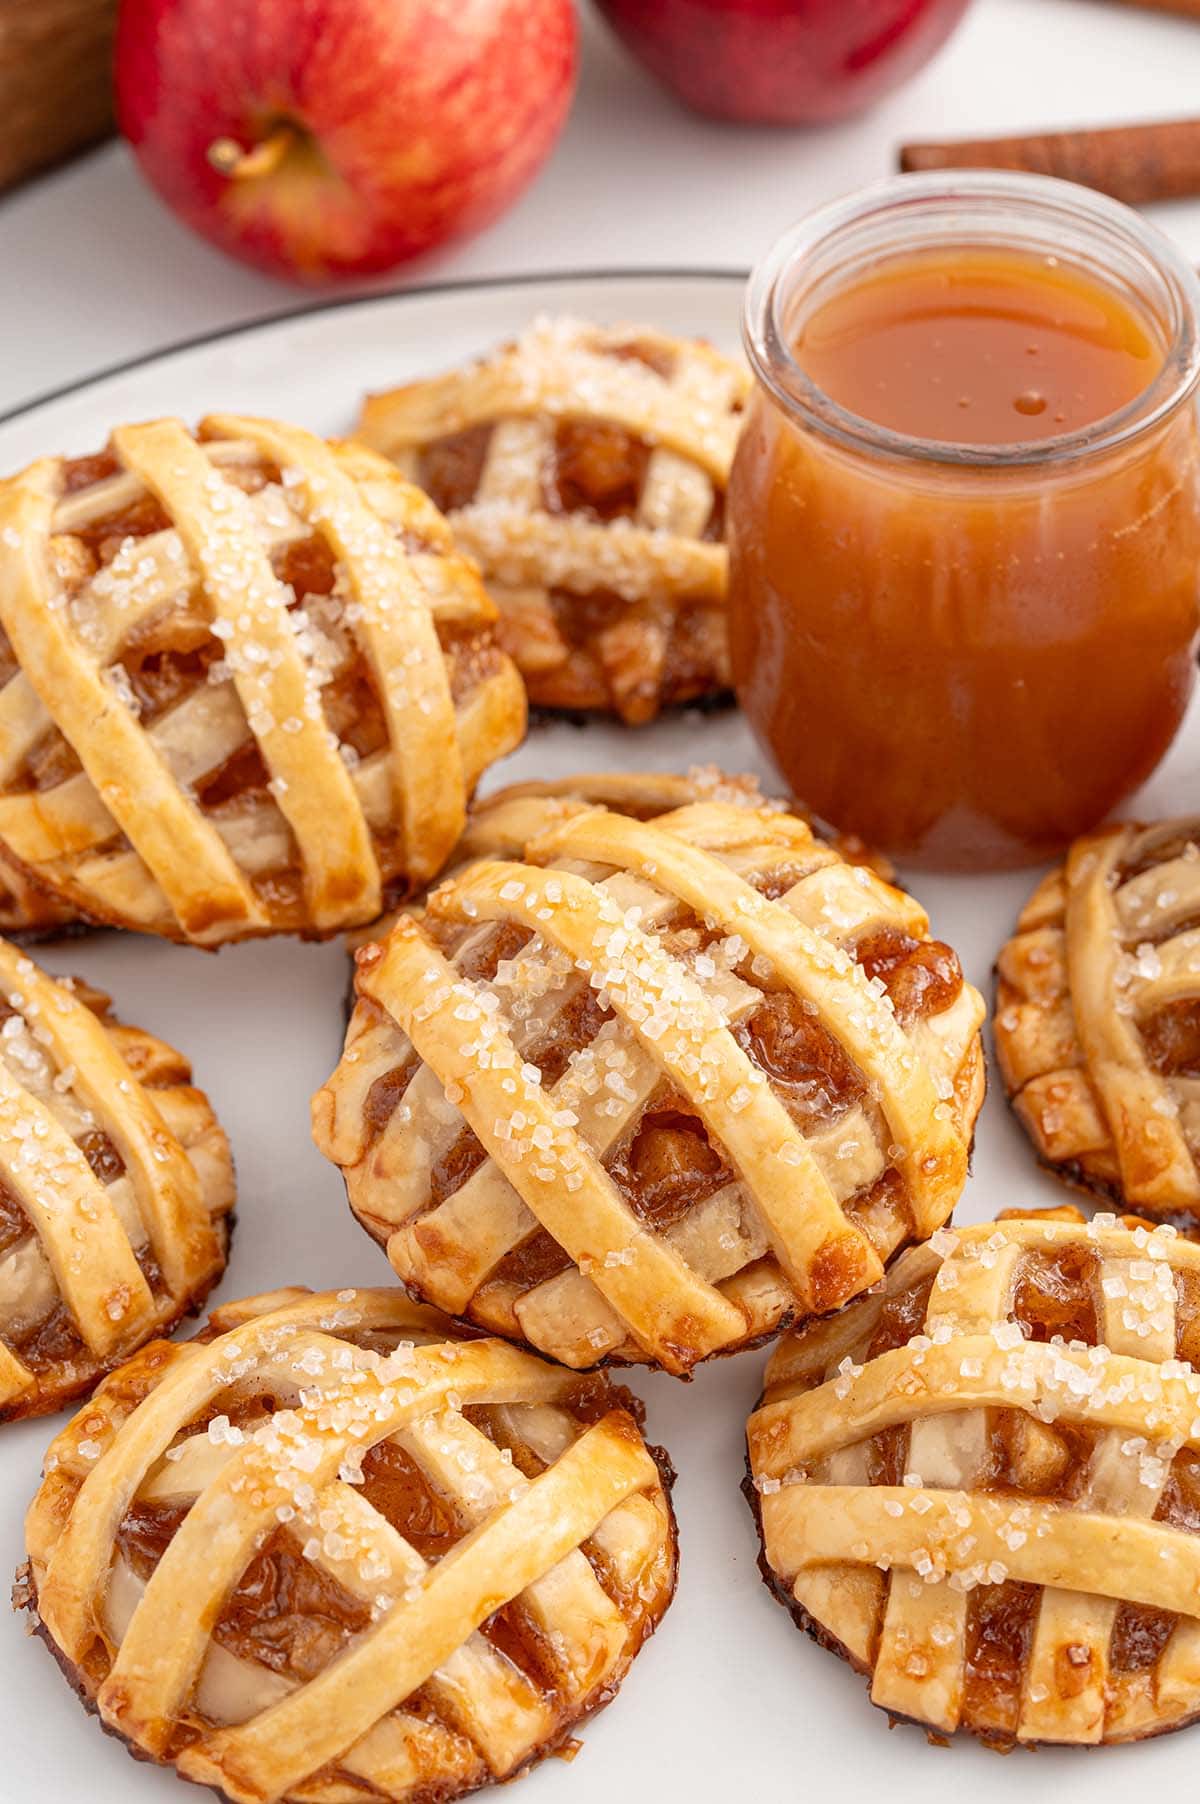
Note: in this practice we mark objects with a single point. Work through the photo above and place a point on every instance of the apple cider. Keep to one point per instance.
(964, 518)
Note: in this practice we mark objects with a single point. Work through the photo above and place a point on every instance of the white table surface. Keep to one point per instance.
(93, 269)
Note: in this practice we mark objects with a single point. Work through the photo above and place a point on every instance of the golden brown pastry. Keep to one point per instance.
(499, 825)
(657, 1086)
(585, 468)
(331, 1552)
(28, 912)
(115, 1188)
(1098, 1017)
(246, 684)
(981, 1485)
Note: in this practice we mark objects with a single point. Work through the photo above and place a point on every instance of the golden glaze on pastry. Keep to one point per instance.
(585, 468)
(246, 684)
(982, 1484)
(330, 1552)
(659, 1086)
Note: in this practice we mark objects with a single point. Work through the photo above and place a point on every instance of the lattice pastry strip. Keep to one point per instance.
(320, 1432)
(281, 755)
(585, 468)
(492, 1128)
(942, 1479)
(1098, 1016)
(114, 1178)
(502, 824)
(499, 1707)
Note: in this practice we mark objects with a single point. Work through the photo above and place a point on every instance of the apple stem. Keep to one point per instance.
(228, 158)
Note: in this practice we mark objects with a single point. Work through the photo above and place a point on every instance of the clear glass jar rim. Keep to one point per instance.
(1045, 197)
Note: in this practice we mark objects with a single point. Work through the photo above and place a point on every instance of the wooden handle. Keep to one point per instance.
(1135, 163)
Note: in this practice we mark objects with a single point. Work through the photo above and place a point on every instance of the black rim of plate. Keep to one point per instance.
(266, 322)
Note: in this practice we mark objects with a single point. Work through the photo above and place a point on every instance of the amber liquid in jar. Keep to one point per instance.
(980, 346)
(966, 659)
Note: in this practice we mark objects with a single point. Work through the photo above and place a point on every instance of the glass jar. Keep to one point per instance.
(966, 653)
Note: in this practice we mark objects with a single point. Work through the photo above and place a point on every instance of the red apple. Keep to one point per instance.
(782, 62)
(327, 138)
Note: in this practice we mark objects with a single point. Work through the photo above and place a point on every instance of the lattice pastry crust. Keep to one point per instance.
(653, 1090)
(115, 1182)
(982, 1484)
(585, 468)
(1098, 1016)
(336, 1553)
(247, 684)
(502, 824)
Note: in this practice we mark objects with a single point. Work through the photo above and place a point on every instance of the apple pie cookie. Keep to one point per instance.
(1098, 1017)
(981, 1485)
(246, 682)
(329, 1552)
(585, 468)
(115, 1182)
(655, 1087)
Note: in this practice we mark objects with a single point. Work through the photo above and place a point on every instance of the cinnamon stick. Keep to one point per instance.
(1186, 9)
(1135, 163)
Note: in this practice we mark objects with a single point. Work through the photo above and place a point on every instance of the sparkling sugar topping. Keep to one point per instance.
(968, 1361)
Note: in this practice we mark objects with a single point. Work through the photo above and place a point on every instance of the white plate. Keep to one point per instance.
(728, 1698)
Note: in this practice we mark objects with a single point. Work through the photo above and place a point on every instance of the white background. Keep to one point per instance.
(93, 269)
(728, 1699)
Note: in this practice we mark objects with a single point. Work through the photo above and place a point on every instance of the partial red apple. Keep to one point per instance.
(333, 138)
(782, 62)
